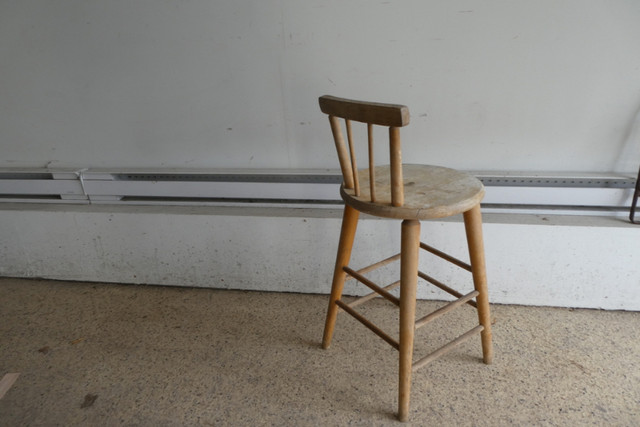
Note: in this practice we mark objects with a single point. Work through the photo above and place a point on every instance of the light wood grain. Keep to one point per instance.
(343, 154)
(409, 247)
(447, 347)
(366, 322)
(347, 235)
(371, 285)
(445, 309)
(396, 169)
(429, 192)
(373, 295)
(372, 164)
(444, 287)
(352, 156)
(473, 227)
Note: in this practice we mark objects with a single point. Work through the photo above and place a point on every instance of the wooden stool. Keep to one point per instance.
(410, 193)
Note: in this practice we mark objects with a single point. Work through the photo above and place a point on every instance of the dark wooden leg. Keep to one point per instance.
(634, 201)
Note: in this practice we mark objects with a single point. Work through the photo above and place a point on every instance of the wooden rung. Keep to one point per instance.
(447, 257)
(444, 287)
(446, 348)
(445, 309)
(368, 324)
(360, 278)
(377, 265)
(372, 295)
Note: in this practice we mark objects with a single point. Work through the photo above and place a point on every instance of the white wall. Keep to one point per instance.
(531, 260)
(498, 85)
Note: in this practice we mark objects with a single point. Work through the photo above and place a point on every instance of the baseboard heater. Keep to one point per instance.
(559, 192)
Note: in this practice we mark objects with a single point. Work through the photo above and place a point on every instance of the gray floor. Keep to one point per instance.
(93, 354)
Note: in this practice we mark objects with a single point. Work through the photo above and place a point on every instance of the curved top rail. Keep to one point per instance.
(366, 112)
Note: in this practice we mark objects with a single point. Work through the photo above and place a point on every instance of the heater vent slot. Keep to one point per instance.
(262, 178)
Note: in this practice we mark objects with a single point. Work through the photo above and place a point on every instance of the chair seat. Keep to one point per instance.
(429, 192)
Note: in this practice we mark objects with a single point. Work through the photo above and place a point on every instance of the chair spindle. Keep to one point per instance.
(352, 152)
(397, 185)
(372, 172)
(343, 154)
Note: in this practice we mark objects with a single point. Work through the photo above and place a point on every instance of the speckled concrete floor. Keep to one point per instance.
(93, 354)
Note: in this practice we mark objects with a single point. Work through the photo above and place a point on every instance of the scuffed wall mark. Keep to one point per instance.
(100, 254)
(97, 245)
(156, 259)
(331, 81)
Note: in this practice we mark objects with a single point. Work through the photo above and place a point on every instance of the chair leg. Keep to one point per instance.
(347, 235)
(473, 227)
(410, 245)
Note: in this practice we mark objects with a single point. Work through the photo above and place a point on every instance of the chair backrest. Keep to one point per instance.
(389, 115)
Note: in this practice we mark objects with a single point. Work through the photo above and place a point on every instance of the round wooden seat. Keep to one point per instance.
(429, 192)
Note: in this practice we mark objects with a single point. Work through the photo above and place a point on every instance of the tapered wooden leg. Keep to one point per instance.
(410, 244)
(473, 227)
(347, 234)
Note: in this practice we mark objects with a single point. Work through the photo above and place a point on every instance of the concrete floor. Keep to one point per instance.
(95, 354)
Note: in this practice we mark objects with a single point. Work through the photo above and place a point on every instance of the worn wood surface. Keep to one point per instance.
(365, 112)
(429, 192)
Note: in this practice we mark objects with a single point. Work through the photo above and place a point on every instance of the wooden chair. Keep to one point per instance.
(410, 193)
